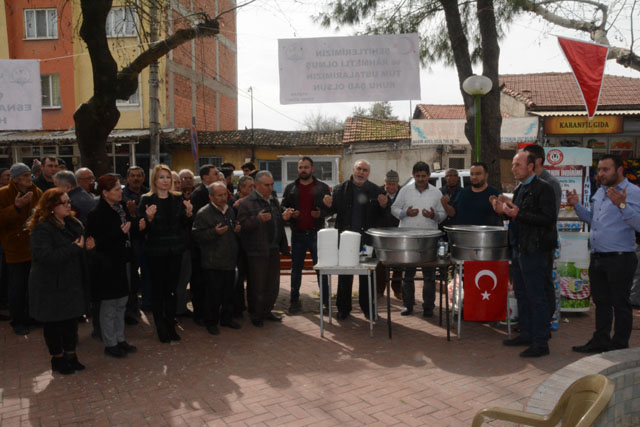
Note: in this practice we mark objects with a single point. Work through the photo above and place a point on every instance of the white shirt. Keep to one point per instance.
(410, 196)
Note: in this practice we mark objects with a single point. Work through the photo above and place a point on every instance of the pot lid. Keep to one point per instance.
(475, 228)
(403, 232)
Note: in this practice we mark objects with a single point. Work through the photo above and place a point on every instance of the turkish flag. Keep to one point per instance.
(485, 290)
(587, 60)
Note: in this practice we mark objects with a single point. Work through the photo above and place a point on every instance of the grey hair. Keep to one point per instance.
(260, 174)
(66, 177)
(215, 184)
(361, 161)
(81, 170)
(245, 180)
(185, 171)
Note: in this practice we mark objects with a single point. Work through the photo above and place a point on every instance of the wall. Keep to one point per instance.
(385, 156)
(202, 75)
(512, 106)
(4, 42)
(55, 54)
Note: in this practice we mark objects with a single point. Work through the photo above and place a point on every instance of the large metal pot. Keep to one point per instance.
(477, 236)
(479, 254)
(405, 245)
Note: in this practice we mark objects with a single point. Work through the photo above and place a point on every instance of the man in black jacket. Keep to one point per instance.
(304, 196)
(532, 236)
(359, 205)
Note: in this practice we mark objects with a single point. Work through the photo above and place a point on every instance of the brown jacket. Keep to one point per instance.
(14, 234)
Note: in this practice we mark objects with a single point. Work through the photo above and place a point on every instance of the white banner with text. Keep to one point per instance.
(349, 69)
(451, 131)
(20, 95)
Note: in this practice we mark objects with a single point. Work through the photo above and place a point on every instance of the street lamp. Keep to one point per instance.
(477, 86)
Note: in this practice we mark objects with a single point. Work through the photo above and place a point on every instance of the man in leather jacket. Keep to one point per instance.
(532, 236)
(359, 205)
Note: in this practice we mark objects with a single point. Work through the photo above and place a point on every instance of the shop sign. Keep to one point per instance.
(582, 125)
(20, 95)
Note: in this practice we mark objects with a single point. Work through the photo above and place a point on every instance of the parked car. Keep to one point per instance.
(437, 179)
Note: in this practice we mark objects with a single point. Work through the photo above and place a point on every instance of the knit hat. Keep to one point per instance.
(18, 169)
(392, 176)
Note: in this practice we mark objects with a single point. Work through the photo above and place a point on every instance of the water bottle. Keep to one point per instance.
(441, 249)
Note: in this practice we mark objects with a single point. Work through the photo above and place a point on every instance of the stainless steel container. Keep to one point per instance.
(461, 253)
(405, 245)
(477, 236)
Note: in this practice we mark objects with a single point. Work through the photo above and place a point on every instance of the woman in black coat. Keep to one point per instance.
(111, 226)
(168, 218)
(56, 291)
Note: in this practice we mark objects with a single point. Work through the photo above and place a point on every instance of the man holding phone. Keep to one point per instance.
(304, 196)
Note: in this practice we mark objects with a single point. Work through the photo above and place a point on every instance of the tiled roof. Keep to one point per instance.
(435, 111)
(547, 91)
(362, 129)
(263, 138)
(438, 111)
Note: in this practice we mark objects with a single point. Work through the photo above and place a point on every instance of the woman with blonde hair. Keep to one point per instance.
(167, 217)
(57, 276)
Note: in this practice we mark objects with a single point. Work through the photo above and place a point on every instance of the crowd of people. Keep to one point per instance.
(77, 247)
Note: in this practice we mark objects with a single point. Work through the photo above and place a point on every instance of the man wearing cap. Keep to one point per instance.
(391, 187)
(17, 201)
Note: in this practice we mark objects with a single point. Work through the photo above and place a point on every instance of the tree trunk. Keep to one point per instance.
(96, 118)
(491, 115)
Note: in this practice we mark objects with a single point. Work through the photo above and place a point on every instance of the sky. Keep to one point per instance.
(529, 47)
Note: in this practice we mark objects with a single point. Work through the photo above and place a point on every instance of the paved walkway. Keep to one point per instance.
(282, 374)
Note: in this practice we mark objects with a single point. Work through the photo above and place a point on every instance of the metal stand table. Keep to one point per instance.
(441, 263)
(366, 266)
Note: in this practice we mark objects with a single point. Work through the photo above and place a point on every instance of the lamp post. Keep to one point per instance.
(477, 86)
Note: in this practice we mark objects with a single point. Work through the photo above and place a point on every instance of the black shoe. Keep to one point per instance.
(257, 323)
(61, 365)
(406, 311)
(535, 351)
(295, 307)
(590, 347)
(173, 335)
(20, 329)
(72, 360)
(230, 324)
(130, 320)
(342, 315)
(213, 330)
(127, 347)
(517, 342)
(115, 351)
(273, 318)
(427, 314)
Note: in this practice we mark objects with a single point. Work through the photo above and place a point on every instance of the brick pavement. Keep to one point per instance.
(282, 374)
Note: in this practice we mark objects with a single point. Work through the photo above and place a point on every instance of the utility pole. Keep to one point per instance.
(154, 120)
(253, 149)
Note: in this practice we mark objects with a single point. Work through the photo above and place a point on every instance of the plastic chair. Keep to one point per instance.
(579, 406)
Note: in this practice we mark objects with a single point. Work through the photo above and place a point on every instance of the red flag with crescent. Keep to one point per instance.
(587, 60)
(486, 284)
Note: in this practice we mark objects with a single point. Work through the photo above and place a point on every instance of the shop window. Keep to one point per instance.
(215, 161)
(50, 90)
(41, 23)
(275, 167)
(121, 22)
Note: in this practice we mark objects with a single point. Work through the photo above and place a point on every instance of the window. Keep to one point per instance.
(275, 167)
(215, 161)
(456, 162)
(41, 23)
(133, 100)
(121, 22)
(50, 90)
(323, 170)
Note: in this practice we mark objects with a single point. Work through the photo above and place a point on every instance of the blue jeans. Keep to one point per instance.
(529, 274)
(301, 241)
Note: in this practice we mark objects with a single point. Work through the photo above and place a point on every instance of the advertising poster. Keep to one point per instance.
(570, 165)
(20, 95)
